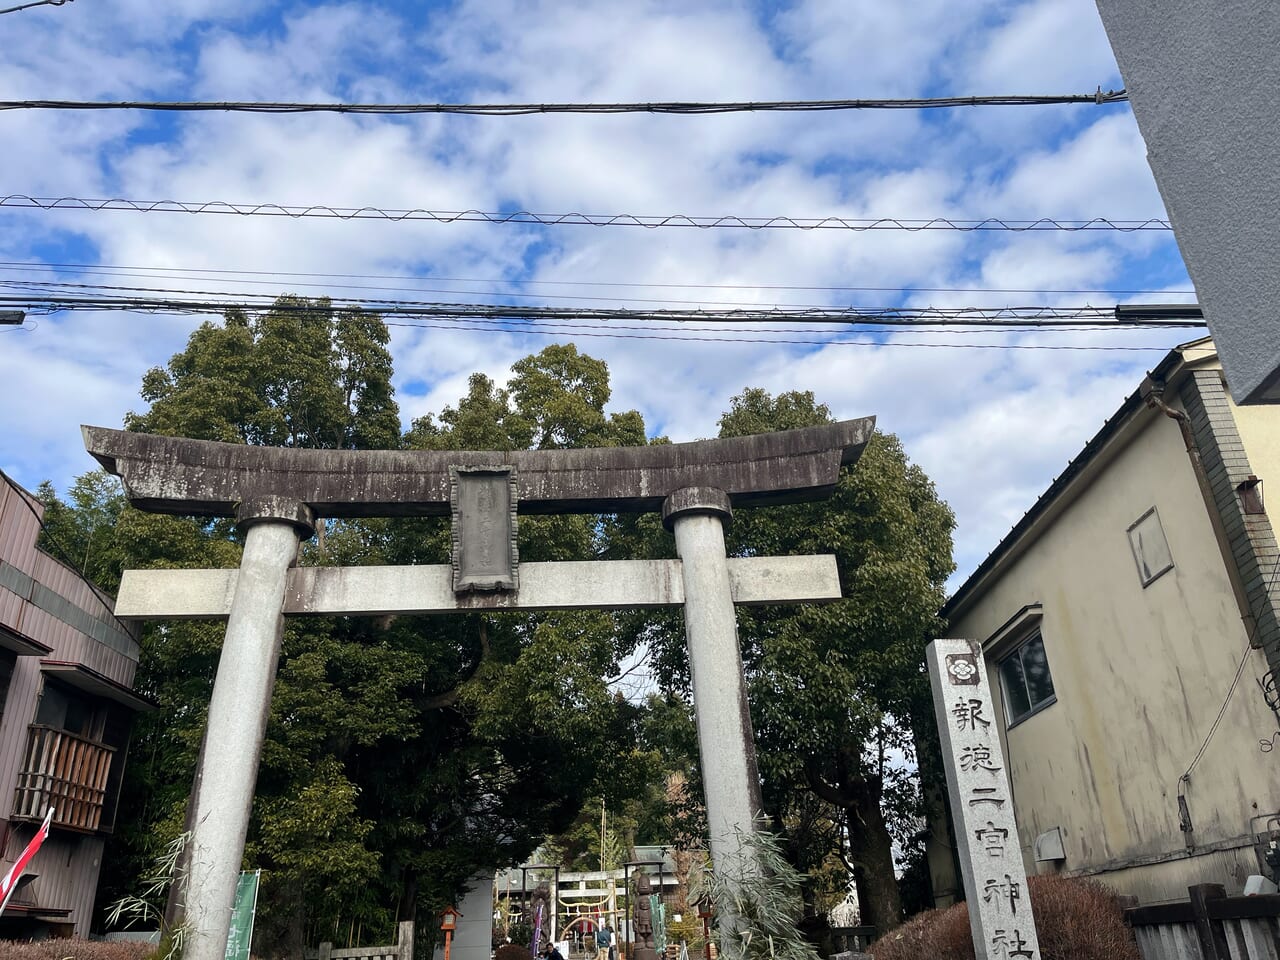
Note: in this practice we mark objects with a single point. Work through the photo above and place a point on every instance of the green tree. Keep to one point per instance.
(833, 687)
(299, 374)
(402, 754)
(80, 531)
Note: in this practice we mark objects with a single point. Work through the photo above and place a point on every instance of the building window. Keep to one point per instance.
(1150, 548)
(1025, 680)
(73, 761)
(7, 663)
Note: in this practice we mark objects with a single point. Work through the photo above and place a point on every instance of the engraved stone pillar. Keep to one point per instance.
(995, 880)
(238, 712)
(696, 515)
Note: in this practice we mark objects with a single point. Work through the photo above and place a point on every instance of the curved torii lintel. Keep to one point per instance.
(205, 478)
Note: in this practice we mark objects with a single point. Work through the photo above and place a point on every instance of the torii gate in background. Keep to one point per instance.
(276, 496)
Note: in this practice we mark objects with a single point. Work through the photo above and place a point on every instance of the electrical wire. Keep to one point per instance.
(682, 107)
(50, 285)
(1244, 658)
(574, 331)
(34, 3)
(649, 222)
(1014, 316)
(864, 325)
(517, 325)
(788, 342)
(188, 273)
(275, 284)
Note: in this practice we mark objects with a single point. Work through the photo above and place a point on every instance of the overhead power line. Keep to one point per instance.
(682, 318)
(828, 342)
(1032, 317)
(609, 331)
(1098, 97)
(575, 323)
(187, 273)
(34, 3)
(580, 219)
(48, 286)
(332, 288)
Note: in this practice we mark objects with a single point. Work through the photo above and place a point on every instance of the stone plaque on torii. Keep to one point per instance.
(277, 495)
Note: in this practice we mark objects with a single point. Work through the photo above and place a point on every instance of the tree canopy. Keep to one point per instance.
(404, 754)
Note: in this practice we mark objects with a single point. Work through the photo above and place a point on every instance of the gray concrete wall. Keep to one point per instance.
(1203, 78)
(473, 938)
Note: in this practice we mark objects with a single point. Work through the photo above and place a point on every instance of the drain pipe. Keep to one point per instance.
(1152, 391)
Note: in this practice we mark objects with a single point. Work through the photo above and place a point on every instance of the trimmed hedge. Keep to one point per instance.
(74, 950)
(1076, 920)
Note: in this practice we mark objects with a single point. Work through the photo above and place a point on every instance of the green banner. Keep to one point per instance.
(242, 916)
(658, 910)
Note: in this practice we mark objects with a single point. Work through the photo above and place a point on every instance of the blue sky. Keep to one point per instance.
(992, 427)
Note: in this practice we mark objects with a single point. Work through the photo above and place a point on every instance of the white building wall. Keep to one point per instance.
(1139, 673)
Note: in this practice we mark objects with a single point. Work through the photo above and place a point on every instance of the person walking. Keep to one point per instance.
(602, 942)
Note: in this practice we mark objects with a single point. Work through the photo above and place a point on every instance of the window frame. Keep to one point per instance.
(8, 667)
(1133, 547)
(109, 725)
(1016, 651)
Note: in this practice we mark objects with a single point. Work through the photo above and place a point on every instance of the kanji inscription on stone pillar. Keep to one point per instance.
(995, 880)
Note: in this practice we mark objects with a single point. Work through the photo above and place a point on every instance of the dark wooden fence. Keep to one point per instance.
(853, 938)
(1209, 925)
(402, 949)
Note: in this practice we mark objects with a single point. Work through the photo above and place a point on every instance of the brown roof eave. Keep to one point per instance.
(98, 684)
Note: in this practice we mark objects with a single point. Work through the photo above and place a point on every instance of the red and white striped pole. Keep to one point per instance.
(10, 881)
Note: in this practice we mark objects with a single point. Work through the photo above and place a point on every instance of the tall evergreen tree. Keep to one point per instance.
(402, 754)
(832, 687)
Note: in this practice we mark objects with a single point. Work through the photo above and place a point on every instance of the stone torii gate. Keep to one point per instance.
(277, 495)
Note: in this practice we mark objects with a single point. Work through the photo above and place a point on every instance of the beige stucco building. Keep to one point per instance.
(1130, 628)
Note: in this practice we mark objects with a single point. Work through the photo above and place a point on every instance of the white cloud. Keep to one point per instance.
(991, 426)
(1046, 46)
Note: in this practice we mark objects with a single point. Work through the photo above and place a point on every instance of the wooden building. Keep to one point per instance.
(66, 707)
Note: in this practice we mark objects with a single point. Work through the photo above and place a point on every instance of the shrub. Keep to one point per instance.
(74, 950)
(759, 890)
(512, 951)
(1075, 920)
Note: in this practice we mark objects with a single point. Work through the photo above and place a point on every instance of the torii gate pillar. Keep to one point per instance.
(238, 713)
(697, 515)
